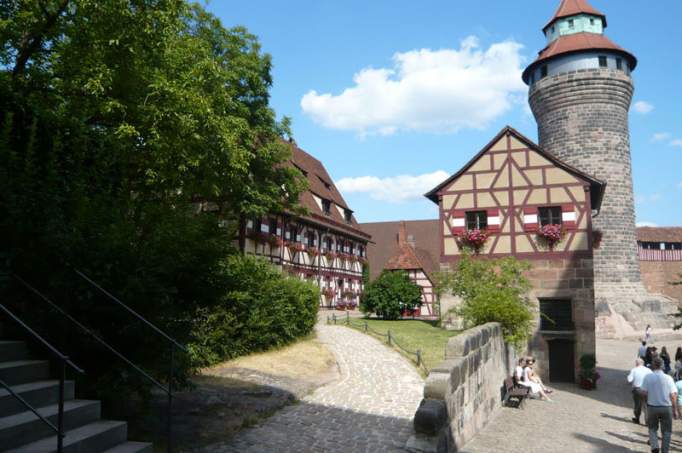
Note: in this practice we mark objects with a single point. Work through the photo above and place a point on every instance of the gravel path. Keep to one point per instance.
(578, 420)
(370, 409)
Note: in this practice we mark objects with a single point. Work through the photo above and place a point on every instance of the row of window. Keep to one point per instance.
(551, 215)
(571, 24)
(293, 233)
(603, 63)
(661, 245)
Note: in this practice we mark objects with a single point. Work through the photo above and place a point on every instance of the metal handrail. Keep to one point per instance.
(173, 344)
(63, 361)
(168, 390)
(131, 311)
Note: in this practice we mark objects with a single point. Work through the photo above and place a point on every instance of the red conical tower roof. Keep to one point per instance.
(574, 7)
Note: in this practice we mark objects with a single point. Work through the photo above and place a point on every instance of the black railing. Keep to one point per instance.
(168, 390)
(63, 362)
(171, 367)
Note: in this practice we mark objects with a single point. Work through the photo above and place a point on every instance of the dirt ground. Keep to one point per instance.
(239, 393)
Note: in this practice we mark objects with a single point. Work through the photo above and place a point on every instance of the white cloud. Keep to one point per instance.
(643, 107)
(661, 137)
(395, 189)
(646, 224)
(677, 142)
(426, 90)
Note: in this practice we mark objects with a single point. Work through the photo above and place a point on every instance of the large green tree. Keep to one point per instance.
(117, 117)
(390, 295)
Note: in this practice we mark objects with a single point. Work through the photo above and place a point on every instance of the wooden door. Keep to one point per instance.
(562, 361)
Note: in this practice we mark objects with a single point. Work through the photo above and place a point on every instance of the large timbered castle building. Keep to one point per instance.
(324, 246)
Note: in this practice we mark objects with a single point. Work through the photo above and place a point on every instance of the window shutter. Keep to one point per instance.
(458, 222)
(530, 219)
(568, 216)
(494, 220)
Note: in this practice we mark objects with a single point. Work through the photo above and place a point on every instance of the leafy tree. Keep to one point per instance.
(117, 118)
(492, 291)
(390, 294)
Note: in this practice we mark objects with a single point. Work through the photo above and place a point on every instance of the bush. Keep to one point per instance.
(390, 294)
(492, 291)
(261, 309)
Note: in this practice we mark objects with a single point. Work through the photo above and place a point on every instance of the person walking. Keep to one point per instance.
(666, 360)
(642, 350)
(647, 333)
(661, 395)
(636, 378)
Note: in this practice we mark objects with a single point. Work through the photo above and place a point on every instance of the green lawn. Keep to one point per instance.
(412, 335)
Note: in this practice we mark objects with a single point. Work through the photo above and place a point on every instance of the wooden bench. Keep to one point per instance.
(514, 392)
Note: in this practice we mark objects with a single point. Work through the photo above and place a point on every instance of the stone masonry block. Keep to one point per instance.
(431, 416)
(436, 385)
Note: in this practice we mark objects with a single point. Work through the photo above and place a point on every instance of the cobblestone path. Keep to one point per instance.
(370, 409)
(578, 420)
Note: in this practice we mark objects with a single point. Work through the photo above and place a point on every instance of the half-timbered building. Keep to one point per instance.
(324, 246)
(534, 207)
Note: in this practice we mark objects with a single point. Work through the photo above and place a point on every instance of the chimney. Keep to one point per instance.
(402, 234)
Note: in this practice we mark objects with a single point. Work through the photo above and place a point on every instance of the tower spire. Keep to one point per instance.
(569, 8)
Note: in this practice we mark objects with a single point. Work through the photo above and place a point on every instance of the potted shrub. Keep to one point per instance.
(473, 240)
(313, 252)
(328, 293)
(329, 255)
(341, 305)
(550, 235)
(588, 373)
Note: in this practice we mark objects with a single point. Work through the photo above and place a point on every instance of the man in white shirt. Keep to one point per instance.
(636, 377)
(661, 394)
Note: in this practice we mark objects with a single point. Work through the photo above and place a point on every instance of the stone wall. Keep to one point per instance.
(462, 393)
(567, 279)
(657, 276)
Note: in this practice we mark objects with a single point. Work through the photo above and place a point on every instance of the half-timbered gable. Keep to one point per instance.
(511, 189)
(325, 245)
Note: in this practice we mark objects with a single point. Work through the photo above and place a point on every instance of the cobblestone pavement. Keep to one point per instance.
(578, 420)
(370, 408)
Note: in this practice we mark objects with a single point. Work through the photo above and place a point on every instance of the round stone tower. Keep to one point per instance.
(580, 93)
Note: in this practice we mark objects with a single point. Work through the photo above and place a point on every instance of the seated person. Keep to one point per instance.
(530, 379)
(518, 371)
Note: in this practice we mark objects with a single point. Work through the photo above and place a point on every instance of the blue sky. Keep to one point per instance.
(394, 95)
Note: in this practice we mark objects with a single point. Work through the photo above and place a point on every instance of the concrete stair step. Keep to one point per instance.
(23, 371)
(25, 427)
(37, 394)
(132, 447)
(13, 350)
(91, 438)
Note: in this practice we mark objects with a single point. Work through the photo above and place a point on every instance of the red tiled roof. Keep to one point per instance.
(384, 247)
(574, 7)
(659, 234)
(576, 43)
(322, 185)
(405, 258)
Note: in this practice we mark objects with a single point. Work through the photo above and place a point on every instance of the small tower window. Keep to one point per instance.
(592, 21)
(603, 63)
(571, 23)
(543, 72)
(619, 64)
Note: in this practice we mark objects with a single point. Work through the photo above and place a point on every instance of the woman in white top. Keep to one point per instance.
(535, 388)
(518, 372)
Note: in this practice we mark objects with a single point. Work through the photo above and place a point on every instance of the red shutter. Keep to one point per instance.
(494, 220)
(570, 223)
(530, 225)
(458, 222)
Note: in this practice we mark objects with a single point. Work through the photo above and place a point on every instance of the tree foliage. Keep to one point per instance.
(116, 118)
(492, 291)
(390, 294)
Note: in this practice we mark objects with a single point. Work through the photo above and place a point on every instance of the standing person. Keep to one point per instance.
(666, 360)
(642, 350)
(635, 378)
(678, 385)
(678, 363)
(661, 394)
(647, 333)
(648, 356)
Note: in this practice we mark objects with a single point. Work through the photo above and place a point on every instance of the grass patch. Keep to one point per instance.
(411, 334)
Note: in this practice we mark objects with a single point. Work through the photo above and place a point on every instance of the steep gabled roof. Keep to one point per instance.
(597, 186)
(424, 234)
(405, 258)
(322, 185)
(569, 8)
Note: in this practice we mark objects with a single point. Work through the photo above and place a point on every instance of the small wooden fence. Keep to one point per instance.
(363, 326)
(660, 255)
